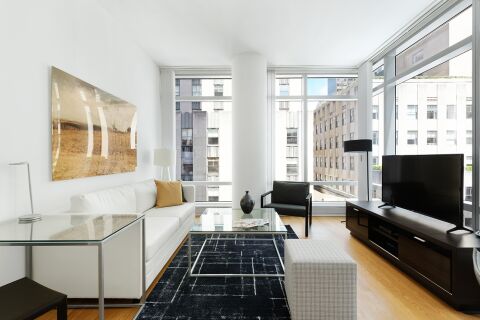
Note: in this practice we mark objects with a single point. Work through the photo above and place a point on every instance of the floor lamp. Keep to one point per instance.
(164, 158)
(361, 145)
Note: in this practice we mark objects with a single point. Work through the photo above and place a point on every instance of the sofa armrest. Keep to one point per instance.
(189, 193)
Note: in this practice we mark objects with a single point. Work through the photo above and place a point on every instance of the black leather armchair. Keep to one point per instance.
(291, 198)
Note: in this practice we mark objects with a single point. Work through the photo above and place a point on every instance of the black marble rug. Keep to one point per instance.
(180, 297)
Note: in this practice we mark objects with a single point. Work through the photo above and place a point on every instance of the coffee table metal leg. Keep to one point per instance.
(189, 246)
(278, 252)
(101, 294)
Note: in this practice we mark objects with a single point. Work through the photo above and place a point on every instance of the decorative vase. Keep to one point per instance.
(247, 203)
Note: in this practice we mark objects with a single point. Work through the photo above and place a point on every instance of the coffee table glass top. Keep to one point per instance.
(226, 220)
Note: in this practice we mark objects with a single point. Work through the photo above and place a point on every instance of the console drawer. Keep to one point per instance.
(428, 259)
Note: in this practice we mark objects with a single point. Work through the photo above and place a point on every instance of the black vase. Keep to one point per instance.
(247, 203)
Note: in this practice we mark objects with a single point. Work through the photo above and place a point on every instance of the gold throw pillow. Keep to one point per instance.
(169, 193)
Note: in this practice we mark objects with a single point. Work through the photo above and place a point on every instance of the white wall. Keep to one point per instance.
(81, 38)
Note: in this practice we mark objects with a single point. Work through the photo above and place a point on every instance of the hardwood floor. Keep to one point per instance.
(384, 292)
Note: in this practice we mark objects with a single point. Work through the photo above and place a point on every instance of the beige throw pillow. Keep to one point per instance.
(169, 193)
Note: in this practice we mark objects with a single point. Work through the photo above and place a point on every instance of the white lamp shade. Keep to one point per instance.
(163, 157)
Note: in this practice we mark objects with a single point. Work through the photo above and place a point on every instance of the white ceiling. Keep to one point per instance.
(286, 32)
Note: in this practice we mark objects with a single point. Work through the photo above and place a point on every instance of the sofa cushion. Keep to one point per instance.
(169, 193)
(113, 200)
(157, 232)
(182, 212)
(290, 209)
(146, 195)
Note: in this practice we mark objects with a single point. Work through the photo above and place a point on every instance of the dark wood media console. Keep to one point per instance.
(420, 247)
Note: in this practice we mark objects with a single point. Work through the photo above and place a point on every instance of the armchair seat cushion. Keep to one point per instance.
(290, 209)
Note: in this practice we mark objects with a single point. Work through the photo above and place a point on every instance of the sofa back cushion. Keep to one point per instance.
(114, 200)
(145, 194)
(288, 192)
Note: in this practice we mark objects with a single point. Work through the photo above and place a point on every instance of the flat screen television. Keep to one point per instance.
(428, 184)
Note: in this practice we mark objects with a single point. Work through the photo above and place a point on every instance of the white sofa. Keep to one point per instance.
(73, 270)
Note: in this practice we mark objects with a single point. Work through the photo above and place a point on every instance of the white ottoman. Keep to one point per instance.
(320, 281)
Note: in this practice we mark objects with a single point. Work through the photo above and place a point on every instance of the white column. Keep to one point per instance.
(167, 123)
(364, 125)
(249, 127)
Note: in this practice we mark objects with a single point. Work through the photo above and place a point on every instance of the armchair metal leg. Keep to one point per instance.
(306, 225)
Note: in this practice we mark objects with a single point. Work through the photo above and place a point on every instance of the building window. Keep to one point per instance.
(468, 194)
(451, 137)
(218, 88)
(352, 163)
(431, 111)
(375, 137)
(451, 111)
(412, 112)
(432, 137)
(352, 115)
(468, 111)
(412, 137)
(196, 87)
(292, 137)
(375, 112)
(213, 166)
(292, 169)
(177, 87)
(469, 137)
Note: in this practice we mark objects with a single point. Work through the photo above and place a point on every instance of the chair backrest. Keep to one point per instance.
(288, 192)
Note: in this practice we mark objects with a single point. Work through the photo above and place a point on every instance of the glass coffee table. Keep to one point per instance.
(233, 225)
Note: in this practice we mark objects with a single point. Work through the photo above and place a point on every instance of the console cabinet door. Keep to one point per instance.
(431, 261)
(357, 222)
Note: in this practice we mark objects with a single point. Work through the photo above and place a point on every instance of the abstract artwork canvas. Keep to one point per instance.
(93, 132)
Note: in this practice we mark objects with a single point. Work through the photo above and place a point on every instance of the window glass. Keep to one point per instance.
(321, 86)
(448, 34)
(288, 86)
(377, 148)
(443, 99)
(288, 141)
(204, 137)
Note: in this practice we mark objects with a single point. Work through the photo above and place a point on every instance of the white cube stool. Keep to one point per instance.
(320, 281)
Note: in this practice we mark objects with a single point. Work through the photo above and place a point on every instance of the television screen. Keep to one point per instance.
(428, 184)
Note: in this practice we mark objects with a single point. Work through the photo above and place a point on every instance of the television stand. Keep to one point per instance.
(422, 248)
(458, 228)
(385, 205)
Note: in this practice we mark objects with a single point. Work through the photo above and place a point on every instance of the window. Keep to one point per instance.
(451, 111)
(431, 111)
(451, 137)
(322, 116)
(204, 130)
(412, 112)
(177, 87)
(412, 137)
(431, 137)
(377, 141)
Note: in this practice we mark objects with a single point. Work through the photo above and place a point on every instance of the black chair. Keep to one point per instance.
(291, 198)
(25, 299)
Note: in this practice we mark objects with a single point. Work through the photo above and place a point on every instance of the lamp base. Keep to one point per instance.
(29, 218)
